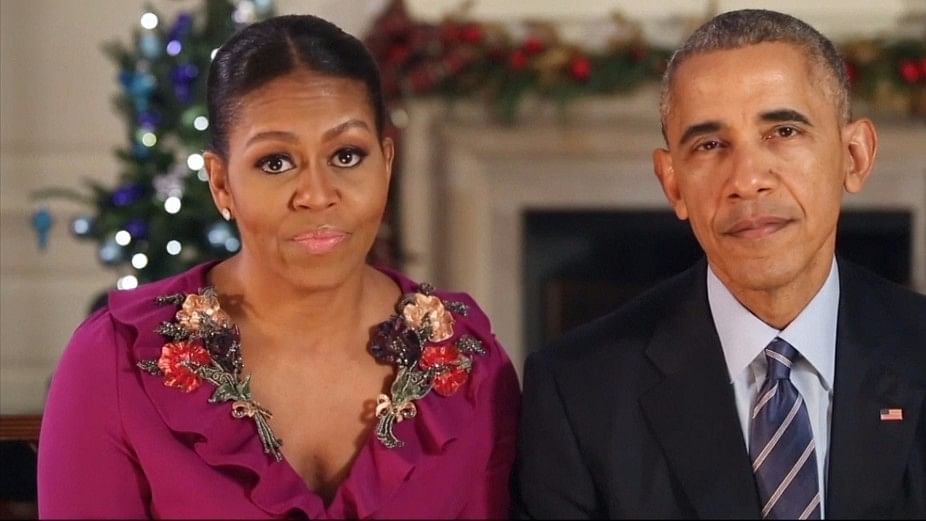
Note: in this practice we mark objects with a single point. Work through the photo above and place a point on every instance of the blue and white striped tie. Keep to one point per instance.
(781, 443)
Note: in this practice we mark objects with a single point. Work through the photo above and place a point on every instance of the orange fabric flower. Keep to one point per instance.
(179, 361)
(429, 310)
(197, 309)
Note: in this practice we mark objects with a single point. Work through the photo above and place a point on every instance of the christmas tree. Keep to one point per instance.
(159, 218)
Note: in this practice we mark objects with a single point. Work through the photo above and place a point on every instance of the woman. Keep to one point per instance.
(292, 379)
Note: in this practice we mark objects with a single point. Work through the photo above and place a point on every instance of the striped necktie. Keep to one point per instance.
(781, 442)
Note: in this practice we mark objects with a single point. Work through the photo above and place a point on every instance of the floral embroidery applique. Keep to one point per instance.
(204, 344)
(417, 340)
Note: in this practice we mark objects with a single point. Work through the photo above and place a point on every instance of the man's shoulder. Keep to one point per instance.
(626, 331)
(877, 312)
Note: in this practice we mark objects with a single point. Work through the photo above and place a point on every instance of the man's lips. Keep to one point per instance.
(757, 227)
(320, 241)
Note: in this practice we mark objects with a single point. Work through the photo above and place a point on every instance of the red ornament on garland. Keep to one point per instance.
(472, 34)
(909, 71)
(580, 68)
(533, 45)
(518, 60)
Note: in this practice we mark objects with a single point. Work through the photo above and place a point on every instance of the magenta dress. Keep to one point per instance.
(117, 443)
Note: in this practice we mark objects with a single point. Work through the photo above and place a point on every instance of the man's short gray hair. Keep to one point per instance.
(745, 27)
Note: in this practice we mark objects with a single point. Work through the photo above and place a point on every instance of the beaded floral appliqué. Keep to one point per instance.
(204, 344)
(417, 339)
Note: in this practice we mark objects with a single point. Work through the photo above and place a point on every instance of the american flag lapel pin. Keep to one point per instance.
(891, 415)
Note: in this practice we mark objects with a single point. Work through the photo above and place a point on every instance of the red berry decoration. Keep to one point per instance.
(580, 68)
(909, 71)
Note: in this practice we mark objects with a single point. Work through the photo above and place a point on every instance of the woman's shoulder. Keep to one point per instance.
(128, 306)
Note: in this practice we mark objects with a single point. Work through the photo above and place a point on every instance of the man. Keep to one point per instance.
(774, 380)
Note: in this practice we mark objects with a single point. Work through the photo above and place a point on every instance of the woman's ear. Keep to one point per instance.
(388, 147)
(218, 184)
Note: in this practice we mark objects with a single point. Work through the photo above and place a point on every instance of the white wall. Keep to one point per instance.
(57, 127)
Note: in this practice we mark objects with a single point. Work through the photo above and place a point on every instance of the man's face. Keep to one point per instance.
(758, 159)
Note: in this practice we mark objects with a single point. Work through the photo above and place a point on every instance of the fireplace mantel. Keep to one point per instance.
(466, 182)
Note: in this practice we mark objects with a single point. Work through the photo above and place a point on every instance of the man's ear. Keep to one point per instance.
(218, 182)
(662, 165)
(861, 141)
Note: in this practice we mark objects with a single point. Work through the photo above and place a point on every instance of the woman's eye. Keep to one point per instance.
(348, 157)
(276, 164)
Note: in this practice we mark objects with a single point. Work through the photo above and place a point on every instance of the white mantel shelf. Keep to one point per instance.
(467, 181)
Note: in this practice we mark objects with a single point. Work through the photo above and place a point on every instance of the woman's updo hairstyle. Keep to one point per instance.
(278, 46)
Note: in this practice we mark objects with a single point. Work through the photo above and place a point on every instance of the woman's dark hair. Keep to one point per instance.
(278, 46)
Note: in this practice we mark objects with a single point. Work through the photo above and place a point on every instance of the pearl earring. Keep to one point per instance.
(226, 214)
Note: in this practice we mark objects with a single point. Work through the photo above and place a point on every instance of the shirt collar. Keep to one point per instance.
(743, 336)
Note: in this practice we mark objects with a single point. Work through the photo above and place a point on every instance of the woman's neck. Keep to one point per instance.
(263, 299)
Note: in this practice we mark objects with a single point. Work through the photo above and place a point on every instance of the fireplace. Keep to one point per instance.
(476, 197)
(579, 265)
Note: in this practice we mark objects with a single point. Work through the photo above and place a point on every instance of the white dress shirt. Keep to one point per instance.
(744, 337)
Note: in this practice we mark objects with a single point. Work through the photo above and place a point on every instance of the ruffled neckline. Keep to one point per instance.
(225, 442)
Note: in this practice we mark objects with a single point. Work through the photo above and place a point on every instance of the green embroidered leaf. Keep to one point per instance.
(224, 393)
(244, 388)
(468, 345)
(457, 307)
(150, 367)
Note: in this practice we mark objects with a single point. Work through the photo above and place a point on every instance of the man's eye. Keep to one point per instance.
(348, 157)
(786, 131)
(275, 164)
(709, 145)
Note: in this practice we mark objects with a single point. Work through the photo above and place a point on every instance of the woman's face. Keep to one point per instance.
(305, 177)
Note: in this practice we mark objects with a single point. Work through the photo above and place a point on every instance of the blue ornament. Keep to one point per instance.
(140, 151)
(219, 233)
(110, 252)
(127, 194)
(137, 228)
(82, 226)
(149, 119)
(181, 28)
(150, 45)
(42, 223)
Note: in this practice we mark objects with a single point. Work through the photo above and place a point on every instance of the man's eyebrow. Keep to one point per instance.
(343, 127)
(784, 115)
(699, 129)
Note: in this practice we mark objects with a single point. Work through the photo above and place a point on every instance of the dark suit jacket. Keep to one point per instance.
(633, 415)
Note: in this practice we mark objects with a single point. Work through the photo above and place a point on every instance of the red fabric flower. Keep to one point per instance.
(439, 355)
(179, 361)
(450, 382)
(454, 376)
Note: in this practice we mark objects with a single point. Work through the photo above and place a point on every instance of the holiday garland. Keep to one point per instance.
(463, 58)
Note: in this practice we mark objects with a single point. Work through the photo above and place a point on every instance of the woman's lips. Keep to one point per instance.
(757, 228)
(321, 241)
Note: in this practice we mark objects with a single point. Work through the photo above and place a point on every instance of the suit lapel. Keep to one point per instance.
(693, 412)
(867, 455)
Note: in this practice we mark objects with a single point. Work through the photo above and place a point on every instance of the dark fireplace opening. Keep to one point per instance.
(579, 265)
